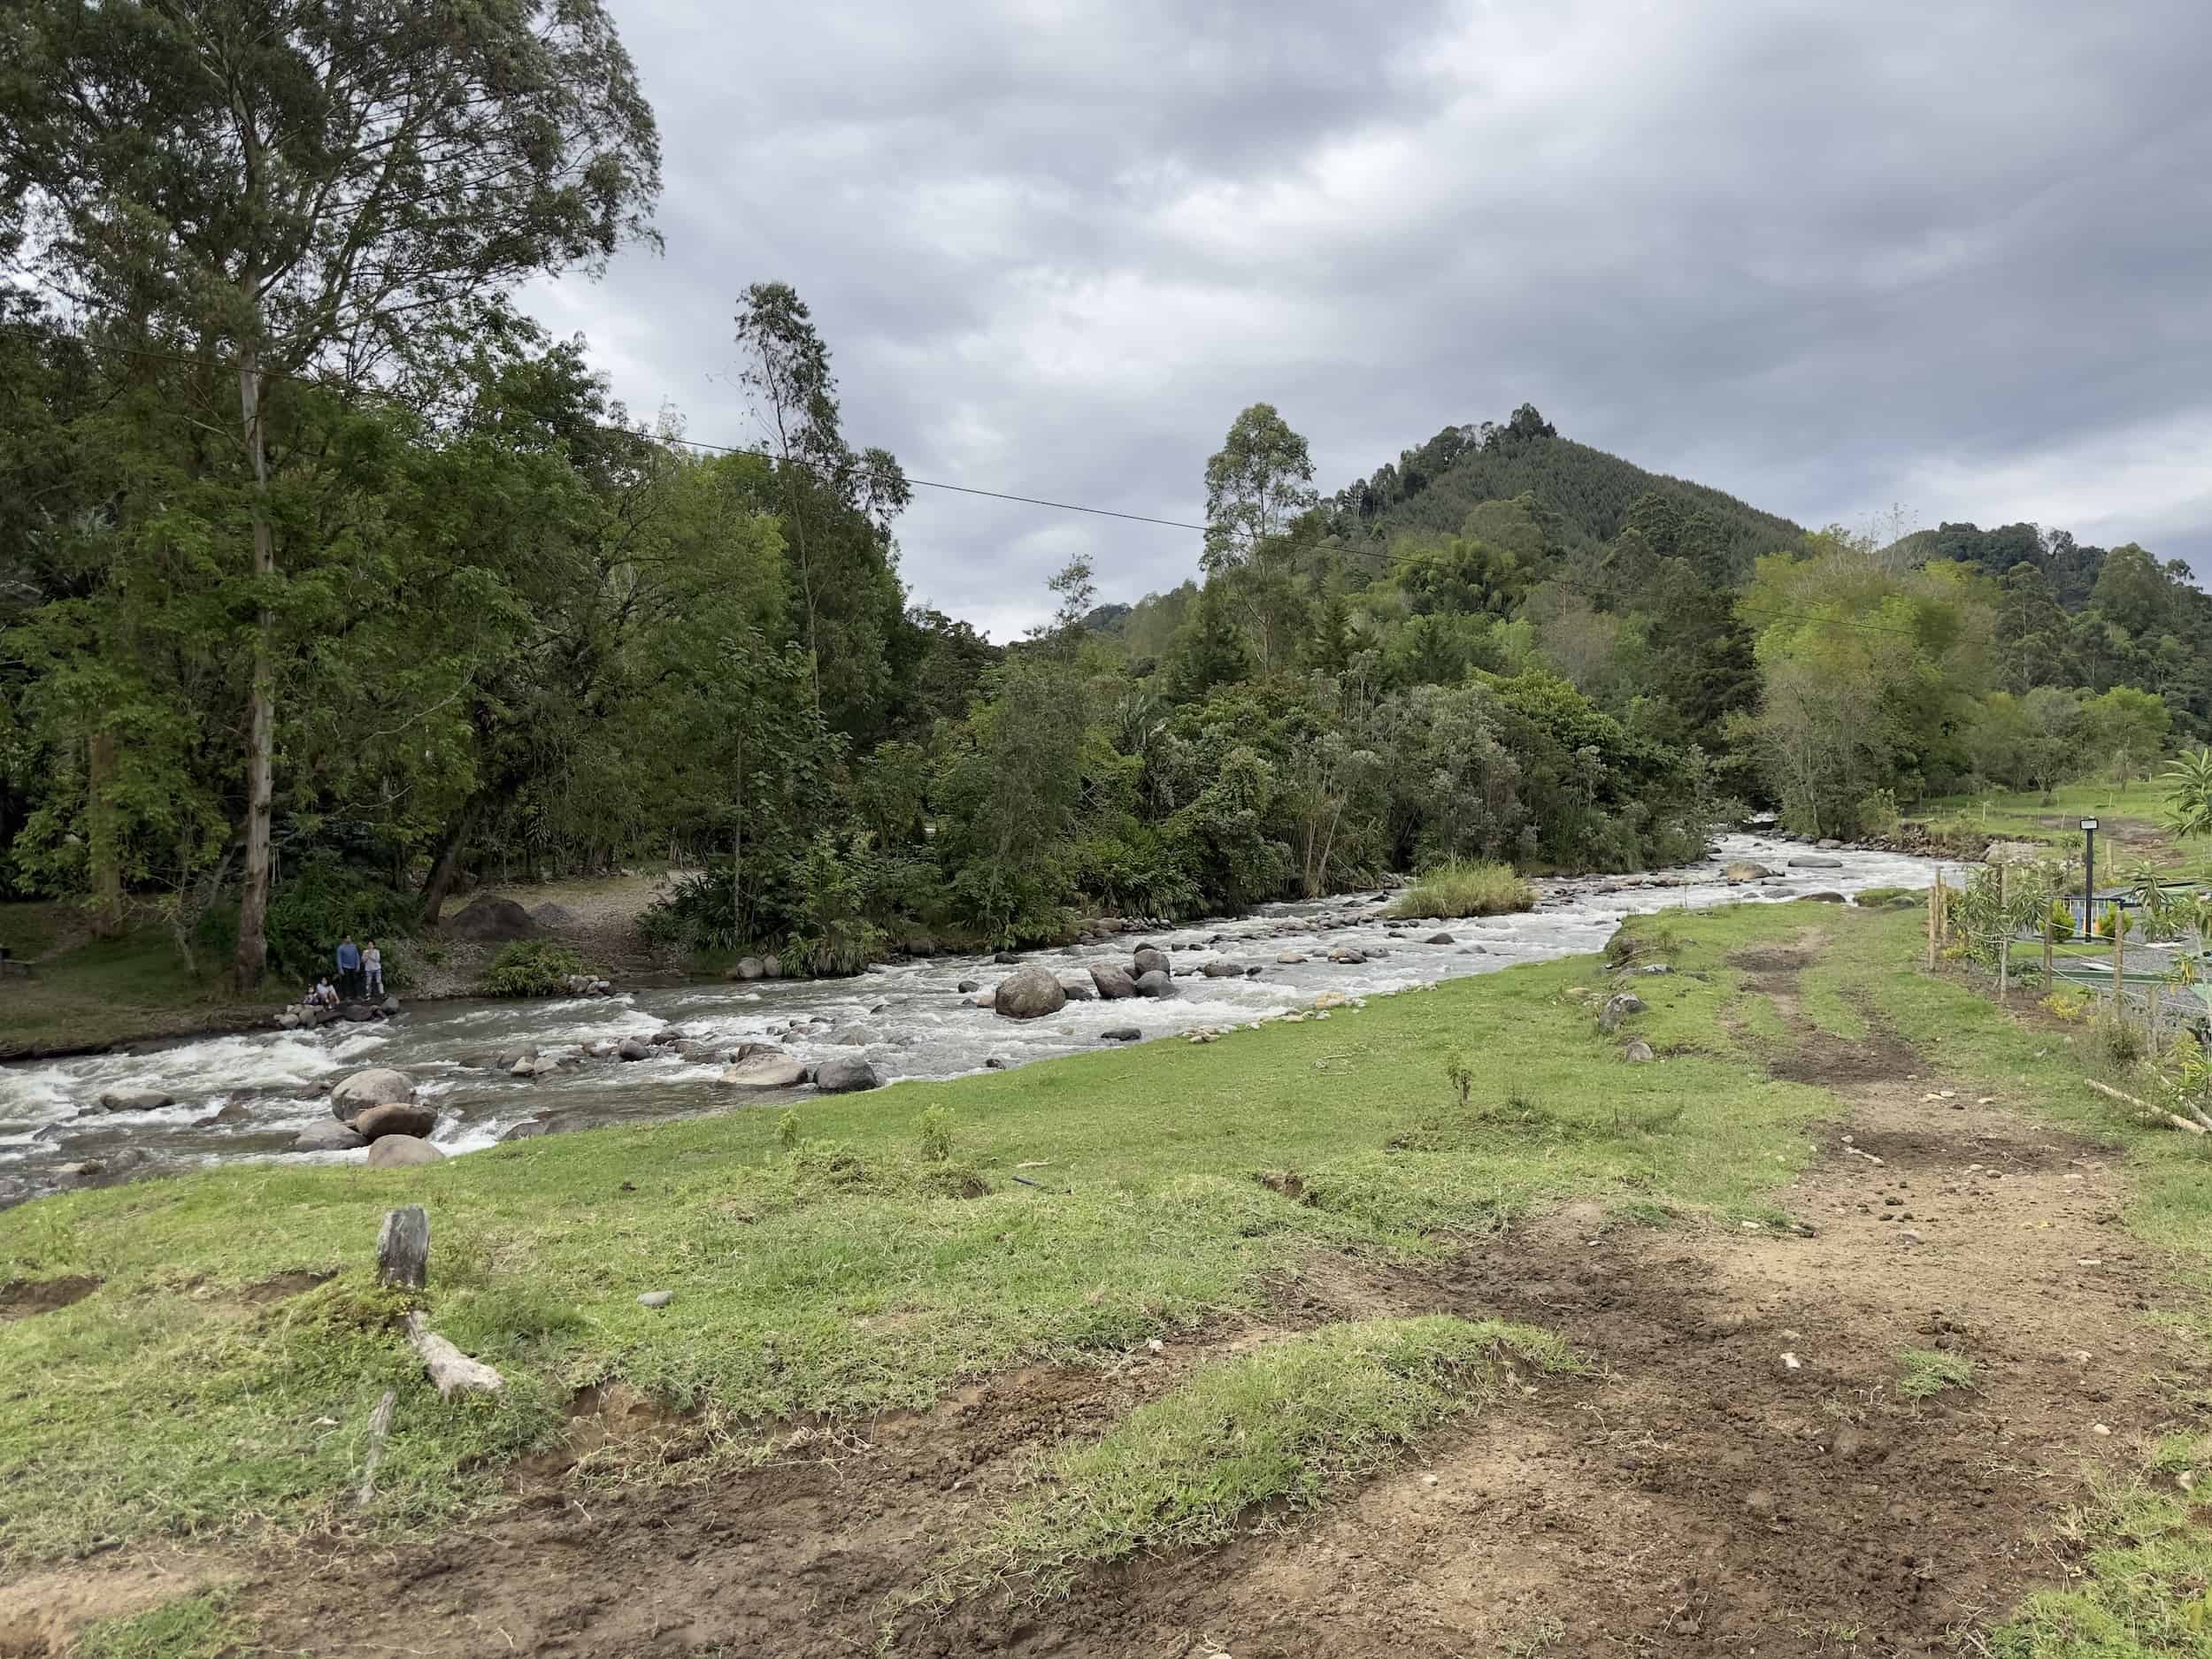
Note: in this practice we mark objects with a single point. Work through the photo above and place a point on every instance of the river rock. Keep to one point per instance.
(395, 1152)
(1440, 939)
(635, 1049)
(845, 1075)
(135, 1100)
(1030, 993)
(1824, 898)
(748, 969)
(775, 1069)
(1290, 958)
(1122, 1033)
(1156, 983)
(1222, 968)
(969, 987)
(856, 1036)
(1815, 861)
(1638, 1052)
(1345, 957)
(388, 1007)
(1617, 1008)
(1006, 958)
(397, 1117)
(379, 1086)
(1150, 959)
(1113, 983)
(1744, 870)
(1080, 990)
(495, 920)
(327, 1135)
(529, 1129)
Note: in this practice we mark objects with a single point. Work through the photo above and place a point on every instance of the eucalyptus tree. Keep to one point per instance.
(314, 189)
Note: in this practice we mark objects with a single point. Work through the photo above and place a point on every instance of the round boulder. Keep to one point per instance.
(1154, 982)
(747, 970)
(845, 1076)
(1150, 959)
(398, 1152)
(379, 1086)
(1029, 993)
(397, 1117)
(1222, 968)
(327, 1135)
(495, 920)
(1082, 990)
(1744, 870)
(765, 1072)
(1113, 983)
(135, 1100)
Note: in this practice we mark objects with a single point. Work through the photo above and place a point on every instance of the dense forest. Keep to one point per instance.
(329, 584)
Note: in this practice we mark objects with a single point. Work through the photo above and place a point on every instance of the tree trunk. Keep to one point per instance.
(253, 903)
(402, 1248)
(445, 869)
(104, 837)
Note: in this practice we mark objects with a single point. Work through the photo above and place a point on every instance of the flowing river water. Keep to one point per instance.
(245, 1096)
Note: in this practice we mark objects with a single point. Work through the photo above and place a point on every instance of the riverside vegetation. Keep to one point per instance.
(310, 618)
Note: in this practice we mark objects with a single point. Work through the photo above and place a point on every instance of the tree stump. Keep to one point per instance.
(402, 1248)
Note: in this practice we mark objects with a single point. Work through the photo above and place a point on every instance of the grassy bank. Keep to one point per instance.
(1464, 888)
(845, 1273)
(91, 994)
(839, 1259)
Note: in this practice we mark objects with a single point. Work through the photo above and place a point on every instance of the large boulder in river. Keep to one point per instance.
(379, 1086)
(1029, 993)
(1151, 959)
(135, 1100)
(1815, 861)
(747, 970)
(1157, 983)
(327, 1135)
(1114, 983)
(765, 1072)
(1082, 990)
(1744, 870)
(495, 920)
(845, 1076)
(397, 1152)
(1222, 968)
(398, 1118)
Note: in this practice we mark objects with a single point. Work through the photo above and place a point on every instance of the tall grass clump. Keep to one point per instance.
(1466, 887)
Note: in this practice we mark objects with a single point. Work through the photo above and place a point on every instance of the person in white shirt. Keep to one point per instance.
(372, 969)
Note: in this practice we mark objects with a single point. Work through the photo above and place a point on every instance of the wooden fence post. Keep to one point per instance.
(2004, 935)
(402, 1248)
(1935, 905)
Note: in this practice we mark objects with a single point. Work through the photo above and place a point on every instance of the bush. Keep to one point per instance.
(1878, 813)
(1467, 888)
(309, 912)
(532, 967)
(934, 1130)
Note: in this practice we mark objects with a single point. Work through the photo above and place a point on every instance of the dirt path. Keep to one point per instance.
(1740, 1473)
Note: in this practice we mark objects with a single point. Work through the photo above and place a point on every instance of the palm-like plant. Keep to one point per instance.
(2189, 794)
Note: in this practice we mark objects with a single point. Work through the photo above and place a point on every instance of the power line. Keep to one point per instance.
(732, 449)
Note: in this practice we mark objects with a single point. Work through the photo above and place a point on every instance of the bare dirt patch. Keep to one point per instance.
(41, 1613)
(20, 1298)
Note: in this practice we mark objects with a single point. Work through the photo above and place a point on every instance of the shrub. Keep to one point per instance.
(1467, 888)
(935, 1129)
(311, 910)
(532, 967)
(1878, 813)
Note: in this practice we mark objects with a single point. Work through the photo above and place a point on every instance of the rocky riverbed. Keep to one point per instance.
(218, 1099)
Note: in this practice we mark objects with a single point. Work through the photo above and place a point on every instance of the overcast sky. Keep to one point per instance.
(1828, 259)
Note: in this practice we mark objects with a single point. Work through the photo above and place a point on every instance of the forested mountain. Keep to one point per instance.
(328, 584)
(1588, 493)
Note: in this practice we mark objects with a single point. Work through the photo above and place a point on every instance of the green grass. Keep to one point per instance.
(1281, 1427)
(105, 991)
(1465, 888)
(1925, 1372)
(2131, 828)
(2143, 1592)
(193, 1627)
(853, 1273)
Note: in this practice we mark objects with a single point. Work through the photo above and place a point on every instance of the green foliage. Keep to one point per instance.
(1927, 1371)
(1461, 1076)
(1466, 888)
(933, 1134)
(190, 1627)
(318, 905)
(1878, 814)
(787, 1130)
(2189, 794)
(532, 967)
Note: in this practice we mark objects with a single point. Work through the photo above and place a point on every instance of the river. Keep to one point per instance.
(245, 1096)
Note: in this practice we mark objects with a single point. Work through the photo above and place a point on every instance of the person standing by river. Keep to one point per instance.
(349, 968)
(373, 971)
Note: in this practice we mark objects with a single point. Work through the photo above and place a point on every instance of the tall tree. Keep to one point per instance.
(312, 187)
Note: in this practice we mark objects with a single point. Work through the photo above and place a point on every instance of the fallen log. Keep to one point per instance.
(449, 1368)
(2201, 1125)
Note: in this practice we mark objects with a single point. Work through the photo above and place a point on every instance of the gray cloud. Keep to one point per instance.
(1825, 260)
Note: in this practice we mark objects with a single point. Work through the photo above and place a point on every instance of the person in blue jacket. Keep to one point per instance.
(348, 967)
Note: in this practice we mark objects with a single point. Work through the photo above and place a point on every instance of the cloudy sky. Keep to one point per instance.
(1830, 258)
